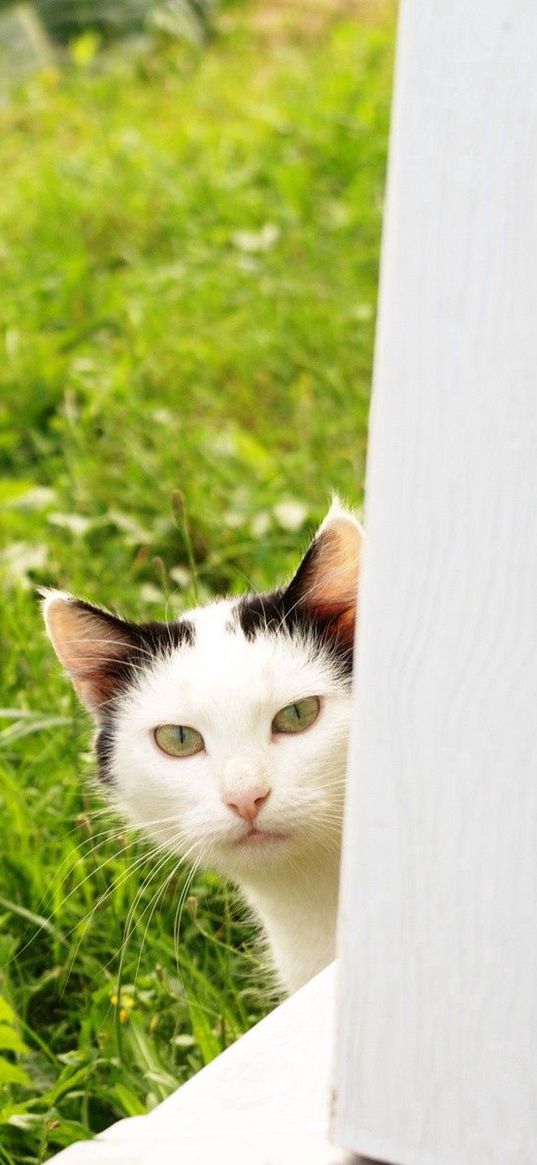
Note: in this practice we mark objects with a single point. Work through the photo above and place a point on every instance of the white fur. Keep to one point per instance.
(229, 688)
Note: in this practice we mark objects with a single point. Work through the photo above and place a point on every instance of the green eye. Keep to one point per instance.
(297, 717)
(178, 740)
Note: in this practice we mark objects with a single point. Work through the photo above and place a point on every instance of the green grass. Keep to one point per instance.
(188, 269)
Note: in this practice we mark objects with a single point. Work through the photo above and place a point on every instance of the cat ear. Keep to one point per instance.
(93, 646)
(326, 582)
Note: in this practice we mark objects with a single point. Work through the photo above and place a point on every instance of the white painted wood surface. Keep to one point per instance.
(265, 1101)
(437, 1059)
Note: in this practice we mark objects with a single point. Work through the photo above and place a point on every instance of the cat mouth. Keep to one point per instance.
(260, 837)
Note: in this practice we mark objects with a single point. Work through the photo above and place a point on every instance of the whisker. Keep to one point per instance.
(156, 899)
(87, 920)
(180, 910)
(89, 847)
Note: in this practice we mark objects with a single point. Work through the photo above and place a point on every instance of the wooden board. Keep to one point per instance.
(437, 1057)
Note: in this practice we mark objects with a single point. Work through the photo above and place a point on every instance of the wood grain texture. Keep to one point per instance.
(437, 1049)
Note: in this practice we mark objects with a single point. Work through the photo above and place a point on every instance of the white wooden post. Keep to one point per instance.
(437, 1050)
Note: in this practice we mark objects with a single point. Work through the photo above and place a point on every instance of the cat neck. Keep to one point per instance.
(297, 907)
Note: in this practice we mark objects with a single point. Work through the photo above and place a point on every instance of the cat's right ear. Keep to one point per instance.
(93, 646)
(326, 582)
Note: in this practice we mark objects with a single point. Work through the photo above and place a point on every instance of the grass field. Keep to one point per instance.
(188, 269)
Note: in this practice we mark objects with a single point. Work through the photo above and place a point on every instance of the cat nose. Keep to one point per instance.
(248, 804)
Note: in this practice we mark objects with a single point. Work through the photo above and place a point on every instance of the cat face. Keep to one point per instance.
(224, 735)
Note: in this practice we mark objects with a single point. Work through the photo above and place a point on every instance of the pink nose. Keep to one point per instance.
(248, 804)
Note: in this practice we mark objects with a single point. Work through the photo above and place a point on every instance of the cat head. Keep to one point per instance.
(223, 735)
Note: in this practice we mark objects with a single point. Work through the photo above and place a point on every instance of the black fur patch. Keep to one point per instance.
(149, 641)
(104, 747)
(280, 611)
(141, 643)
(155, 638)
(158, 638)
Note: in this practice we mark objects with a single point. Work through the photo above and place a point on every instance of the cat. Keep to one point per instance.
(223, 735)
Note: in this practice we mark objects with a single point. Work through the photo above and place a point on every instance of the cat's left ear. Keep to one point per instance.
(326, 582)
(93, 646)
